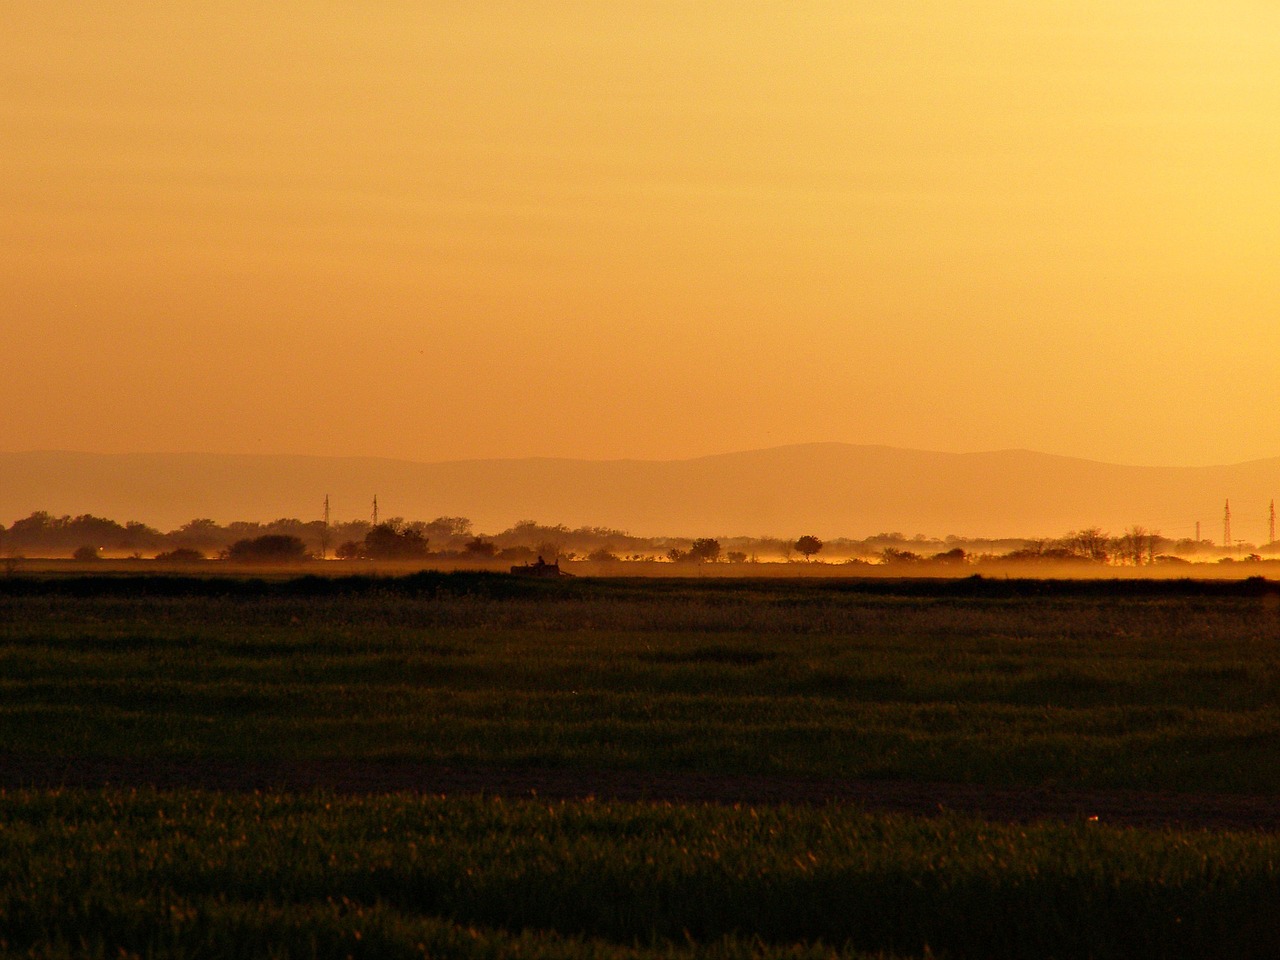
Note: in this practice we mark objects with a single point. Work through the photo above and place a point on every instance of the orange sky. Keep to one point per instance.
(469, 229)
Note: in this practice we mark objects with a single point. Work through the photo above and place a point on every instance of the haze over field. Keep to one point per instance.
(654, 230)
(827, 489)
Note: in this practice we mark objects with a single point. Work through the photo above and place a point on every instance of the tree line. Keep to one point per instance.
(453, 538)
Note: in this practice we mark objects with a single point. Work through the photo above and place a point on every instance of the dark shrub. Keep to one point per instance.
(349, 550)
(271, 548)
(181, 555)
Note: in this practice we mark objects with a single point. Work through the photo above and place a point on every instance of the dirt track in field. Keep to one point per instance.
(1130, 808)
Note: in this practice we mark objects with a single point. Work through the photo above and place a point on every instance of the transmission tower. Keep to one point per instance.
(1226, 526)
(324, 534)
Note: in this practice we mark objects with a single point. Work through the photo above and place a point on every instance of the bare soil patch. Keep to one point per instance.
(1003, 804)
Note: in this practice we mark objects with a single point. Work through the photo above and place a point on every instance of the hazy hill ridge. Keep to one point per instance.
(830, 489)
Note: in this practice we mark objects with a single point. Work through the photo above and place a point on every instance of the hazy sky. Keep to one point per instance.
(645, 229)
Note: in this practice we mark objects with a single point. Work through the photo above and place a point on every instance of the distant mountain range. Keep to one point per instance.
(828, 489)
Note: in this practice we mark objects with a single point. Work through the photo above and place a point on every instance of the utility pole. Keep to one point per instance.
(1272, 539)
(375, 509)
(324, 534)
(1197, 531)
(1226, 527)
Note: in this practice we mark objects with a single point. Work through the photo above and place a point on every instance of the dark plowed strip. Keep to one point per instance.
(1122, 807)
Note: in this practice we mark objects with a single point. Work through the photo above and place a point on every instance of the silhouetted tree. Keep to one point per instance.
(350, 530)
(1088, 544)
(44, 533)
(201, 534)
(480, 548)
(269, 548)
(394, 541)
(447, 530)
(140, 536)
(349, 550)
(894, 555)
(1137, 545)
(549, 550)
(705, 549)
(86, 553)
(808, 545)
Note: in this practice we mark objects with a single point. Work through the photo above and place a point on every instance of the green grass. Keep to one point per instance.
(1130, 685)
(110, 873)
(1139, 685)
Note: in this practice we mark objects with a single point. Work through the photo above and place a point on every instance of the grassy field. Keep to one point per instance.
(1144, 686)
(206, 875)
(1136, 685)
